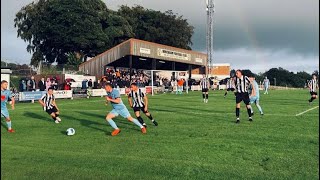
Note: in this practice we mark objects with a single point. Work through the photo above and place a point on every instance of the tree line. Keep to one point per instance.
(69, 31)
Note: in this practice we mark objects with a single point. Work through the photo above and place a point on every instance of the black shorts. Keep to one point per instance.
(138, 109)
(53, 110)
(230, 89)
(243, 97)
(205, 90)
(313, 93)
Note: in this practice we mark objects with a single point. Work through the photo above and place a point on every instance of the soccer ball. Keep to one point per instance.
(70, 131)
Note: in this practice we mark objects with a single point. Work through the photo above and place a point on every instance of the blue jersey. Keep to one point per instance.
(256, 87)
(5, 95)
(114, 94)
(266, 82)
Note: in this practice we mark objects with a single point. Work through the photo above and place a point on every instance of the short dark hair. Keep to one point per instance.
(133, 84)
(50, 88)
(4, 81)
(239, 70)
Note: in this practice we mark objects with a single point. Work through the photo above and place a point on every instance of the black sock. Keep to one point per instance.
(203, 96)
(249, 111)
(237, 112)
(150, 117)
(140, 120)
(57, 115)
(207, 96)
(225, 93)
(54, 118)
(312, 98)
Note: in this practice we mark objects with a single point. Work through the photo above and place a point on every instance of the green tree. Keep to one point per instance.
(56, 28)
(165, 28)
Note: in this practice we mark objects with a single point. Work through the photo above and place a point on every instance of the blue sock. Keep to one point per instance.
(137, 123)
(9, 124)
(259, 107)
(112, 124)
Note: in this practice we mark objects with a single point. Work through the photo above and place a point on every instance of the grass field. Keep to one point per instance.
(193, 140)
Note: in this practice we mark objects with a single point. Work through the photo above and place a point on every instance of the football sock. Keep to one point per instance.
(312, 98)
(140, 120)
(9, 124)
(57, 115)
(237, 112)
(112, 124)
(259, 107)
(150, 117)
(54, 118)
(207, 95)
(137, 123)
(203, 95)
(225, 93)
(249, 111)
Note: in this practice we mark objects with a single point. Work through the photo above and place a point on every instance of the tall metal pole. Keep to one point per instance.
(210, 13)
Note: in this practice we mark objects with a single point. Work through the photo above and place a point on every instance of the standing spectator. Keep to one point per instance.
(42, 85)
(90, 84)
(31, 84)
(54, 84)
(48, 84)
(23, 86)
(84, 84)
(103, 82)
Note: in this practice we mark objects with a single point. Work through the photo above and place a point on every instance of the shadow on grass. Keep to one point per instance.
(85, 122)
(37, 116)
(122, 121)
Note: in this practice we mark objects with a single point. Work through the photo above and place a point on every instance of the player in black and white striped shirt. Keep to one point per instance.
(313, 87)
(49, 105)
(205, 84)
(139, 102)
(242, 83)
(230, 86)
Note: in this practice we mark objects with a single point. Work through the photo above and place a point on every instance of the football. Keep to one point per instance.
(70, 131)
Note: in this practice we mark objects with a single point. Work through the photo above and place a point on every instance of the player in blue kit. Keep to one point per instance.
(5, 97)
(113, 96)
(254, 94)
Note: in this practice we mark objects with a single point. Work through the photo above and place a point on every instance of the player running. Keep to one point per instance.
(254, 94)
(139, 102)
(313, 87)
(48, 102)
(113, 96)
(230, 86)
(6, 97)
(205, 84)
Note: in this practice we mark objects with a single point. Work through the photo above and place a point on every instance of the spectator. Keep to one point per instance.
(90, 84)
(67, 85)
(22, 86)
(54, 84)
(84, 84)
(31, 84)
(48, 84)
(42, 85)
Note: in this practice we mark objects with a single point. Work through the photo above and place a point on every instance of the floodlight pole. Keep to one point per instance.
(210, 13)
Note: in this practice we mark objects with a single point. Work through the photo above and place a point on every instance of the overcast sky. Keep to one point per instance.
(248, 34)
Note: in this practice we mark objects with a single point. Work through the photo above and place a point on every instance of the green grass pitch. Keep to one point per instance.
(193, 140)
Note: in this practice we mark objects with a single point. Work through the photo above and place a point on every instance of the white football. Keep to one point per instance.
(70, 131)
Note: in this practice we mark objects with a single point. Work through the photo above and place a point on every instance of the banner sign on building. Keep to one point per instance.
(174, 54)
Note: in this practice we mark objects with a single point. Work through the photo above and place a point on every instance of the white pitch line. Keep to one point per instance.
(307, 110)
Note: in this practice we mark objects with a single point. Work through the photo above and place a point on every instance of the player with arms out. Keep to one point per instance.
(113, 96)
(313, 87)
(5, 97)
(139, 102)
(48, 102)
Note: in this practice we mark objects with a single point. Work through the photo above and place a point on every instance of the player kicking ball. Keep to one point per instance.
(49, 105)
(139, 102)
(5, 97)
(113, 96)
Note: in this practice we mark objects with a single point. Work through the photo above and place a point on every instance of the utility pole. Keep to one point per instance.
(210, 13)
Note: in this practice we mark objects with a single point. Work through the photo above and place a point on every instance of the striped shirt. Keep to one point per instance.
(313, 85)
(137, 98)
(47, 100)
(230, 83)
(242, 84)
(204, 83)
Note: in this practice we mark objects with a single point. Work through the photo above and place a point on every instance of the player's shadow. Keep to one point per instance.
(37, 116)
(122, 121)
(84, 122)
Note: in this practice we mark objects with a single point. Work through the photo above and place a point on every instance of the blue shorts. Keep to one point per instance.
(254, 99)
(4, 113)
(122, 112)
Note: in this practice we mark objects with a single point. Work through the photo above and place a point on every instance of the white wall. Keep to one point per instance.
(7, 78)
